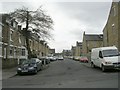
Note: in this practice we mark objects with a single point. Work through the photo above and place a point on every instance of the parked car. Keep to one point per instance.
(45, 60)
(105, 58)
(32, 65)
(76, 58)
(60, 58)
(83, 59)
(52, 58)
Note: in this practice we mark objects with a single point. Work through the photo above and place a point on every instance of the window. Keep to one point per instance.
(5, 53)
(30, 42)
(11, 32)
(14, 24)
(111, 52)
(11, 51)
(11, 23)
(19, 38)
(23, 52)
(100, 54)
(15, 52)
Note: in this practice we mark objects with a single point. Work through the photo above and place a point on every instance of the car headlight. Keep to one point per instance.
(19, 69)
(31, 67)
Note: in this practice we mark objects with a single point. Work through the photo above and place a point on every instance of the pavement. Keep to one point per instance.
(11, 72)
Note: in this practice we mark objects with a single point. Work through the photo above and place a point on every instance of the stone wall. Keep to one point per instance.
(9, 63)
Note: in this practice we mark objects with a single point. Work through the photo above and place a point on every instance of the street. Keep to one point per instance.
(65, 74)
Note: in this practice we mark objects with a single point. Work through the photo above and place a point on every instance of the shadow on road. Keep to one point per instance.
(108, 71)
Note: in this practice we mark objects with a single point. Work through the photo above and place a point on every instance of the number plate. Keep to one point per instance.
(25, 71)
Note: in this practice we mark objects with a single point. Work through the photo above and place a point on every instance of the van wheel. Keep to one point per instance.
(103, 68)
(92, 65)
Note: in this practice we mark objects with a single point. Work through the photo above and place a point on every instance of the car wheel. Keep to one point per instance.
(41, 67)
(36, 70)
(19, 73)
(103, 68)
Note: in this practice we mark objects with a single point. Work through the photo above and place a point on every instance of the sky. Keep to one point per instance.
(71, 18)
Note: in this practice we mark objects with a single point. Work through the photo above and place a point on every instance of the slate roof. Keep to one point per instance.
(79, 44)
(94, 37)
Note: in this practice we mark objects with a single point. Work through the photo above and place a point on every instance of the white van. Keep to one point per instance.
(105, 58)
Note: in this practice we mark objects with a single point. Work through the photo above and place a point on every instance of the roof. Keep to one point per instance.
(94, 37)
(106, 48)
(79, 44)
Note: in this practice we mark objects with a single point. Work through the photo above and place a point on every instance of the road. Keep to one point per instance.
(65, 74)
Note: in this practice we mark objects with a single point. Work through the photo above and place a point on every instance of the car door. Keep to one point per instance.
(99, 62)
(40, 64)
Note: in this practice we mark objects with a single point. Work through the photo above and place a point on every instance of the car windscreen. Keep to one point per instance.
(29, 61)
(112, 52)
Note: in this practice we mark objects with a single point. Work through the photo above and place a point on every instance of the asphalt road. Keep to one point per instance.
(65, 74)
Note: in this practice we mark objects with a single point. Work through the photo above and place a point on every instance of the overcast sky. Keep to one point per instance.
(71, 19)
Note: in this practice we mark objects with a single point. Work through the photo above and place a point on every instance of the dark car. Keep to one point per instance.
(30, 66)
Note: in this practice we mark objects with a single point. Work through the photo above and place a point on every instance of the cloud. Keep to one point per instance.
(71, 19)
(88, 13)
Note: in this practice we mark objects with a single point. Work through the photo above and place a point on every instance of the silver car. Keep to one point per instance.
(29, 66)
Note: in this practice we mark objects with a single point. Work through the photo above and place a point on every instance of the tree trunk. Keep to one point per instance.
(27, 36)
(28, 48)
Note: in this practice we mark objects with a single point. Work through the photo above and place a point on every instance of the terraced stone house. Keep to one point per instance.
(111, 31)
(91, 41)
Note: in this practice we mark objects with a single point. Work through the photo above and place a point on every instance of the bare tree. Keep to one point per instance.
(37, 22)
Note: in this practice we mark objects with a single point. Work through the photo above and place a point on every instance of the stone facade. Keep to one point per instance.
(78, 49)
(111, 31)
(52, 52)
(13, 48)
(66, 53)
(14, 44)
(1, 37)
(91, 41)
(73, 49)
